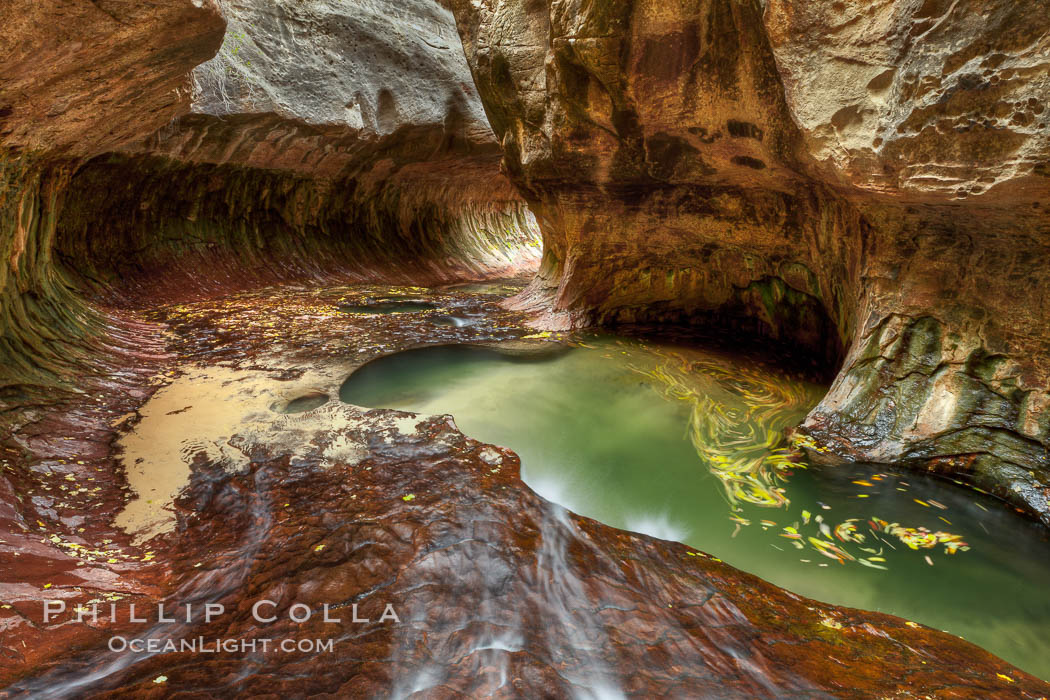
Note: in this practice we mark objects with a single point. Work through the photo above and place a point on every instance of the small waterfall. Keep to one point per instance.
(581, 636)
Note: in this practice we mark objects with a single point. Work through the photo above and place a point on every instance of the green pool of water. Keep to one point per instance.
(396, 306)
(686, 445)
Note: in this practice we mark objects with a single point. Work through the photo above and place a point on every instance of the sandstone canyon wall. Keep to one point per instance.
(319, 137)
(682, 169)
(321, 131)
(877, 196)
(77, 80)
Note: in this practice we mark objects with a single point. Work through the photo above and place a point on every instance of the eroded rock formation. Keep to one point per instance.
(497, 592)
(321, 132)
(886, 209)
(919, 97)
(79, 79)
(368, 152)
(673, 182)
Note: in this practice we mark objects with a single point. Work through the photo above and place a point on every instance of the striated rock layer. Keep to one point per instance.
(78, 79)
(146, 179)
(865, 179)
(322, 131)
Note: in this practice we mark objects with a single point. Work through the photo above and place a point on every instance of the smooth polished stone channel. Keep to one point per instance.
(686, 444)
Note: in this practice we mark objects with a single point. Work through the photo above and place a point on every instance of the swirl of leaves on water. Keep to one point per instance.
(736, 423)
(737, 419)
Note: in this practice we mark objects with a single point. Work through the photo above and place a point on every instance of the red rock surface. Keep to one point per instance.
(659, 150)
(498, 592)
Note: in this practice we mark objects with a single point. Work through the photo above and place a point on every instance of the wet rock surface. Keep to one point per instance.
(497, 592)
(682, 167)
(658, 150)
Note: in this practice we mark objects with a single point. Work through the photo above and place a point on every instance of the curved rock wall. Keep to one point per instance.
(931, 117)
(371, 65)
(198, 228)
(900, 215)
(655, 143)
(323, 138)
(657, 149)
(78, 79)
(323, 135)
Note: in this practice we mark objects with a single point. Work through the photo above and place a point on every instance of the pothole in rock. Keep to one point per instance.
(490, 288)
(452, 321)
(193, 417)
(385, 306)
(301, 404)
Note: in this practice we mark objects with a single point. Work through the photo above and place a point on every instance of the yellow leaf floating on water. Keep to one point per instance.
(538, 336)
(847, 532)
(860, 482)
(830, 551)
(921, 503)
(409, 497)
